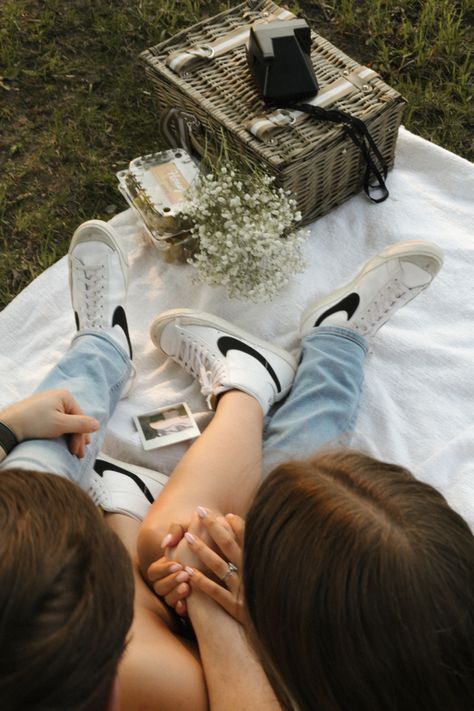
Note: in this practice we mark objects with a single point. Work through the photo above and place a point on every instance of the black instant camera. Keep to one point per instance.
(279, 56)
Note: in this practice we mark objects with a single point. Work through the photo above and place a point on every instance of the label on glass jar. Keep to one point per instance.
(171, 180)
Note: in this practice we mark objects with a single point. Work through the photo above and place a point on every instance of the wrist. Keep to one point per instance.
(11, 417)
(204, 612)
(200, 606)
(8, 435)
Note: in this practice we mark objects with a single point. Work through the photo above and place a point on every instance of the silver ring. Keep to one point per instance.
(231, 569)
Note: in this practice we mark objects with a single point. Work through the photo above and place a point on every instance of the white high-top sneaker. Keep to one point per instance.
(98, 281)
(120, 487)
(386, 283)
(223, 357)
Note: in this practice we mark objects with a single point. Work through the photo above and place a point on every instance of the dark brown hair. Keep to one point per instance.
(359, 583)
(66, 596)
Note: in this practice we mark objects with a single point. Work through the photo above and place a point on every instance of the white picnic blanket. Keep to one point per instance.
(418, 403)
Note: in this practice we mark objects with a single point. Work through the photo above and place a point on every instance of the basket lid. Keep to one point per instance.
(220, 86)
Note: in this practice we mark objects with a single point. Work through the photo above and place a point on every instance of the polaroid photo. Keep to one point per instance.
(168, 425)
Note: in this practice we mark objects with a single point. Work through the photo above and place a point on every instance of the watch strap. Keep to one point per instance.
(8, 439)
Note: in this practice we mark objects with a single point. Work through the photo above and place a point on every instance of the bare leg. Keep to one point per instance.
(160, 669)
(221, 471)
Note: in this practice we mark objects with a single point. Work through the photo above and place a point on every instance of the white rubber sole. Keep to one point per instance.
(394, 251)
(205, 319)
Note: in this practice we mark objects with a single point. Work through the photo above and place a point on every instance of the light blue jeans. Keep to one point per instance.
(320, 409)
(95, 370)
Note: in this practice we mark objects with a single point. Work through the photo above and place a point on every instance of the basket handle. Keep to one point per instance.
(177, 126)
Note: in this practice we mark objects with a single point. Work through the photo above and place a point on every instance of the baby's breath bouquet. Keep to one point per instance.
(245, 233)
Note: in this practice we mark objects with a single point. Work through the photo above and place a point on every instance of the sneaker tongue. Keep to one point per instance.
(88, 257)
(414, 276)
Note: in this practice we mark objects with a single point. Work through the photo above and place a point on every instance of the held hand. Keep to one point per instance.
(170, 581)
(170, 574)
(48, 415)
(167, 576)
(171, 578)
(227, 534)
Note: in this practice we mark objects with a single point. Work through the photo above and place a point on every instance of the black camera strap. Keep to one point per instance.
(376, 167)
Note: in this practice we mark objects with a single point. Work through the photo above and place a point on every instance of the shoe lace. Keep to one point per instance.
(196, 358)
(91, 284)
(379, 310)
(97, 491)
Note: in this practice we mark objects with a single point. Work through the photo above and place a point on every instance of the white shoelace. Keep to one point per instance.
(197, 359)
(379, 310)
(90, 282)
(97, 491)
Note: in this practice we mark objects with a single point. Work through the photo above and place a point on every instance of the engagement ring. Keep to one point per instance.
(231, 568)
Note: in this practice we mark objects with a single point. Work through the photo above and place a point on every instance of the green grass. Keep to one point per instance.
(424, 50)
(75, 106)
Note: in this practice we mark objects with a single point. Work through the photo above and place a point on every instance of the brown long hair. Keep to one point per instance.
(66, 596)
(359, 583)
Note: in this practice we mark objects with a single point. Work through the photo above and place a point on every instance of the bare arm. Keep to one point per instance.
(235, 679)
(160, 670)
(221, 471)
(234, 676)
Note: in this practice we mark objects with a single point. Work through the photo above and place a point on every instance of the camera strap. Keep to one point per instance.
(376, 167)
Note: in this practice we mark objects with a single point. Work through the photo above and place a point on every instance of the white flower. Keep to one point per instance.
(245, 229)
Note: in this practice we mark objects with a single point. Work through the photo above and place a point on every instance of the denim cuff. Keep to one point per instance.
(103, 335)
(346, 333)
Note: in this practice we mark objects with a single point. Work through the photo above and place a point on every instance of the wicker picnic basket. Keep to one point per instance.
(205, 90)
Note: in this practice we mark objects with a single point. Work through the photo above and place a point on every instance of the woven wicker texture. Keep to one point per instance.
(316, 160)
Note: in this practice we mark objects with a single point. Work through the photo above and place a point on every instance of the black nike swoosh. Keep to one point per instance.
(228, 343)
(101, 466)
(120, 319)
(348, 304)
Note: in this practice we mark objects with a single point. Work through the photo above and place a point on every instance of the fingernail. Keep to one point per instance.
(95, 423)
(189, 570)
(201, 512)
(190, 538)
(182, 577)
(175, 567)
(166, 540)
